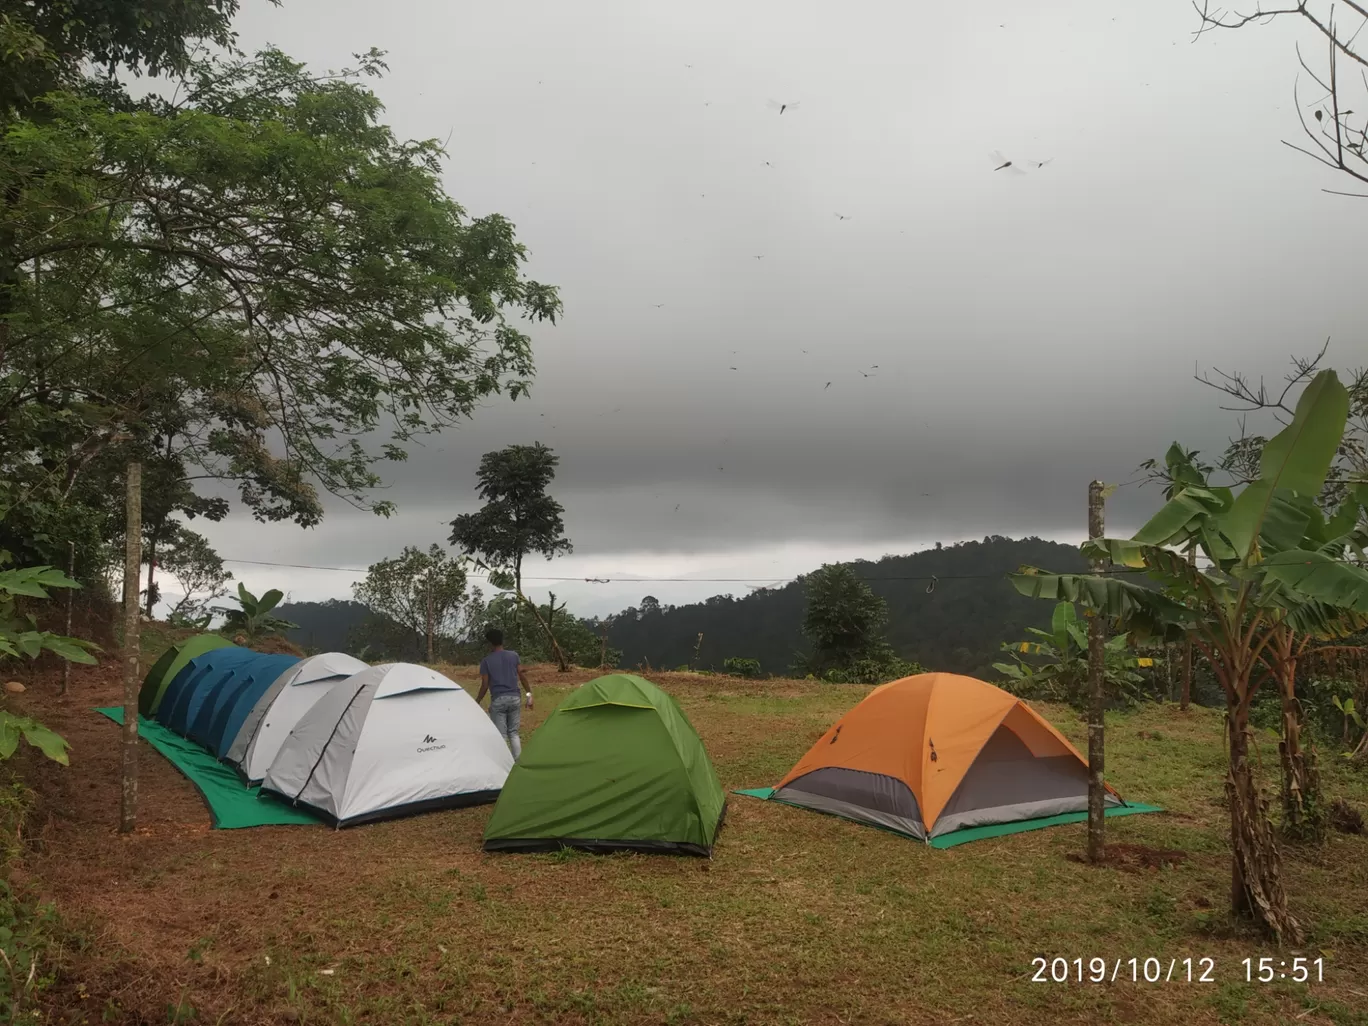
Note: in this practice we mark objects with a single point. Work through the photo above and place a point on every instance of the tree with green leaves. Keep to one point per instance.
(518, 517)
(252, 619)
(251, 281)
(1054, 666)
(1274, 562)
(424, 592)
(199, 570)
(844, 622)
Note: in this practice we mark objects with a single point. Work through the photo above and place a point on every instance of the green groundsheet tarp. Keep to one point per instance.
(995, 830)
(231, 803)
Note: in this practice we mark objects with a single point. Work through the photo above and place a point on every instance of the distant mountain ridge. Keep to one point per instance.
(949, 608)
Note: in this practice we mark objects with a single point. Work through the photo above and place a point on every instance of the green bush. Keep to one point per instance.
(28, 927)
(873, 671)
(747, 668)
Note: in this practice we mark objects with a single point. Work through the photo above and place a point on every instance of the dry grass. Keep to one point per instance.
(799, 918)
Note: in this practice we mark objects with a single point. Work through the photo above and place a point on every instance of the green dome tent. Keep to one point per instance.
(616, 767)
(172, 661)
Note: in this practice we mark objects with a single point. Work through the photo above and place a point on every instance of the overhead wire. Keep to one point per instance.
(933, 578)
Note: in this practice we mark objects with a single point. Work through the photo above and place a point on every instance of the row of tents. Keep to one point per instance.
(617, 765)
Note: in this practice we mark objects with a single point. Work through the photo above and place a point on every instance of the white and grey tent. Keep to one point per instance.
(391, 740)
(275, 714)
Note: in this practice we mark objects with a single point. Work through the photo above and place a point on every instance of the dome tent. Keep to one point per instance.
(226, 706)
(391, 740)
(181, 701)
(172, 661)
(943, 758)
(290, 696)
(616, 767)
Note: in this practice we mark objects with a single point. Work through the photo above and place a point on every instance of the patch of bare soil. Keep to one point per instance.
(1135, 858)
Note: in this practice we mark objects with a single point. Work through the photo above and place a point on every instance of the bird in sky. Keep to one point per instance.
(781, 107)
(760, 258)
(843, 217)
(826, 386)
(733, 368)
(657, 305)
(864, 375)
(768, 164)
(676, 507)
(1003, 164)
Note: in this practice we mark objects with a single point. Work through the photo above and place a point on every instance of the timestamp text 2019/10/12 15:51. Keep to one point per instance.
(1173, 970)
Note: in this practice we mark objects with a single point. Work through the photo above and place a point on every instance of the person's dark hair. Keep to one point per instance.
(494, 636)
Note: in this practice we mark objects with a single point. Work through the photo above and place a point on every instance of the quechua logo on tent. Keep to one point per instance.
(429, 740)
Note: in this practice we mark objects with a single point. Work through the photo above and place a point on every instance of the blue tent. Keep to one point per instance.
(217, 689)
(236, 700)
(199, 674)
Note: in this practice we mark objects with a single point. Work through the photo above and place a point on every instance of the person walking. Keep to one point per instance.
(501, 673)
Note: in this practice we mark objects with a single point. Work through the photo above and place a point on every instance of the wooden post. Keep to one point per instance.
(71, 572)
(128, 812)
(429, 618)
(1187, 648)
(1098, 704)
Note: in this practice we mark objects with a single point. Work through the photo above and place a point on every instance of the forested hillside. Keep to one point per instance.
(325, 626)
(955, 624)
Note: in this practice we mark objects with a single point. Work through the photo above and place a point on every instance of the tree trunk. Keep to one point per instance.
(1097, 705)
(1187, 677)
(71, 572)
(1186, 698)
(128, 812)
(1302, 818)
(151, 574)
(429, 622)
(1256, 887)
(561, 665)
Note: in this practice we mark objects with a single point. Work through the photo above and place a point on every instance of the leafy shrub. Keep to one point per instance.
(747, 668)
(873, 671)
(27, 926)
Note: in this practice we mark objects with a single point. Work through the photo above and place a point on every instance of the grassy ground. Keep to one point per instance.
(799, 918)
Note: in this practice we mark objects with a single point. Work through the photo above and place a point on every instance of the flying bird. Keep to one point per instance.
(768, 164)
(733, 368)
(843, 217)
(1039, 163)
(826, 386)
(760, 257)
(657, 305)
(781, 107)
(1009, 165)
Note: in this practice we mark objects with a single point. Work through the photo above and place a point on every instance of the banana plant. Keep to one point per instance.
(1059, 671)
(1276, 562)
(253, 619)
(1349, 710)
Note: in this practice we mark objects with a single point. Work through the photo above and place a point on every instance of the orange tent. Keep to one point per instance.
(937, 753)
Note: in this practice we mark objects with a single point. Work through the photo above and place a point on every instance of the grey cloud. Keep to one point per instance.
(1030, 332)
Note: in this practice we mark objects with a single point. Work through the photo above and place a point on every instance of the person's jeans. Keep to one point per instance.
(506, 712)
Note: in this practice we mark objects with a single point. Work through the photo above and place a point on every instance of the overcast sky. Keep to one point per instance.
(1031, 332)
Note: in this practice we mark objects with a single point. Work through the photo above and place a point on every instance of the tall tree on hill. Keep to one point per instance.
(844, 621)
(423, 592)
(251, 280)
(518, 518)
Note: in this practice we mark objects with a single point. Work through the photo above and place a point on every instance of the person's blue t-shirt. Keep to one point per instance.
(502, 668)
